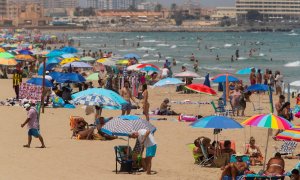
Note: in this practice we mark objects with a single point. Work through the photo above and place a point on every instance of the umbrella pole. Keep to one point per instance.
(43, 87)
(266, 150)
(128, 148)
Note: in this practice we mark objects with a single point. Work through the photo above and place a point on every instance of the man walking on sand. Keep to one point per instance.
(146, 139)
(33, 125)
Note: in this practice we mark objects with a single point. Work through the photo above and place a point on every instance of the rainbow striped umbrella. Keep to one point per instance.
(268, 121)
(289, 135)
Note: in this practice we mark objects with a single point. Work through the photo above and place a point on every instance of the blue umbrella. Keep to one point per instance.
(70, 78)
(68, 55)
(124, 126)
(100, 91)
(216, 122)
(96, 100)
(149, 68)
(168, 82)
(49, 67)
(132, 55)
(245, 71)
(53, 60)
(55, 53)
(77, 65)
(69, 49)
(222, 78)
(39, 82)
(207, 81)
(55, 75)
(258, 87)
(26, 52)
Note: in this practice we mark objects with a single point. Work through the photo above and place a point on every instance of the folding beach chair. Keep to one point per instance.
(196, 157)
(206, 160)
(221, 111)
(124, 158)
(287, 148)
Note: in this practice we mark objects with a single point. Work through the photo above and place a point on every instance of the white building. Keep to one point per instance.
(115, 4)
(221, 12)
(60, 3)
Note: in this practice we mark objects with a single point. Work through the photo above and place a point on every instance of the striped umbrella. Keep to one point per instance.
(268, 121)
(96, 100)
(289, 135)
(125, 125)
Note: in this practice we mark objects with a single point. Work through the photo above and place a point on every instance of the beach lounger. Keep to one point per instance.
(123, 157)
(288, 148)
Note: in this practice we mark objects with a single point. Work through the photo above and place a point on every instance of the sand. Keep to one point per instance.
(66, 158)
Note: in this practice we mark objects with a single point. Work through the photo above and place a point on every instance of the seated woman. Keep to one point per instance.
(227, 148)
(100, 122)
(165, 108)
(275, 166)
(235, 169)
(82, 130)
(254, 152)
(197, 151)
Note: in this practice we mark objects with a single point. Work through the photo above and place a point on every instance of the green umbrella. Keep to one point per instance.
(88, 58)
(93, 77)
(6, 55)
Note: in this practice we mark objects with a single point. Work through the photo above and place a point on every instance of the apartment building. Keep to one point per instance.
(3, 8)
(270, 9)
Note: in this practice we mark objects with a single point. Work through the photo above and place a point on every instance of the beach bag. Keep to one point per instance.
(187, 118)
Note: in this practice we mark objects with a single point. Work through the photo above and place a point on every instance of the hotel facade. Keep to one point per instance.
(270, 9)
(3, 8)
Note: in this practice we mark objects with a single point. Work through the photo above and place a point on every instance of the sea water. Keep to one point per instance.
(283, 48)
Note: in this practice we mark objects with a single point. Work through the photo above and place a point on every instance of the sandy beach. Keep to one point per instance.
(66, 158)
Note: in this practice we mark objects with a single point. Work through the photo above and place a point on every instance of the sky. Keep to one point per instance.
(204, 3)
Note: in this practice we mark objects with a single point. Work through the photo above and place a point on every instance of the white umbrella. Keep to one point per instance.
(187, 74)
(133, 67)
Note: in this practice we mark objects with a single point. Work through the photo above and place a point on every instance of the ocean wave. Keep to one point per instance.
(173, 47)
(148, 61)
(293, 64)
(218, 68)
(242, 58)
(145, 49)
(150, 41)
(293, 34)
(145, 55)
(227, 45)
(124, 50)
(163, 45)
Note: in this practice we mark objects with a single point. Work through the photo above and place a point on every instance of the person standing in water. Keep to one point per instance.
(174, 62)
(237, 55)
(196, 64)
(217, 58)
(192, 57)
(231, 58)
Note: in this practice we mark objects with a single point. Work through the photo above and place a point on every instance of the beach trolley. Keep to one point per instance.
(124, 158)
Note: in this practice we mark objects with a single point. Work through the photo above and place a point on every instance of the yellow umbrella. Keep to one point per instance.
(123, 61)
(68, 60)
(8, 62)
(102, 60)
(2, 50)
(24, 57)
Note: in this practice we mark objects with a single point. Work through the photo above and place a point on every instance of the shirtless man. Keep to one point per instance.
(279, 110)
(235, 169)
(126, 94)
(275, 166)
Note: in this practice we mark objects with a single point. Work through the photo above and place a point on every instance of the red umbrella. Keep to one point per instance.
(147, 64)
(200, 88)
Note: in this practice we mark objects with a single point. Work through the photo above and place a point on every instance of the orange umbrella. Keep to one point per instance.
(2, 50)
(24, 57)
(8, 62)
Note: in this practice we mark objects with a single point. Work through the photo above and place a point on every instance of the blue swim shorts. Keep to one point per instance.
(34, 132)
(151, 151)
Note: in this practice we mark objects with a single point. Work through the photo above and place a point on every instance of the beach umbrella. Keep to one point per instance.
(133, 67)
(221, 78)
(2, 50)
(289, 135)
(44, 53)
(100, 91)
(68, 55)
(246, 71)
(106, 61)
(24, 57)
(187, 74)
(55, 75)
(149, 68)
(258, 87)
(49, 67)
(68, 60)
(200, 88)
(39, 82)
(93, 77)
(207, 81)
(101, 60)
(216, 122)
(8, 62)
(53, 60)
(87, 58)
(96, 100)
(69, 49)
(168, 82)
(55, 53)
(132, 55)
(6, 55)
(295, 83)
(25, 52)
(122, 62)
(77, 65)
(125, 125)
(147, 65)
(269, 121)
(70, 78)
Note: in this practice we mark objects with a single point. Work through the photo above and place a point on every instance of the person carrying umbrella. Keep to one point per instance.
(147, 140)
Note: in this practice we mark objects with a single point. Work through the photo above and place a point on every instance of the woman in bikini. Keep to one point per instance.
(275, 166)
(145, 102)
(254, 152)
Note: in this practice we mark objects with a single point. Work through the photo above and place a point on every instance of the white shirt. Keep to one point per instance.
(149, 141)
(165, 72)
(49, 78)
(279, 80)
